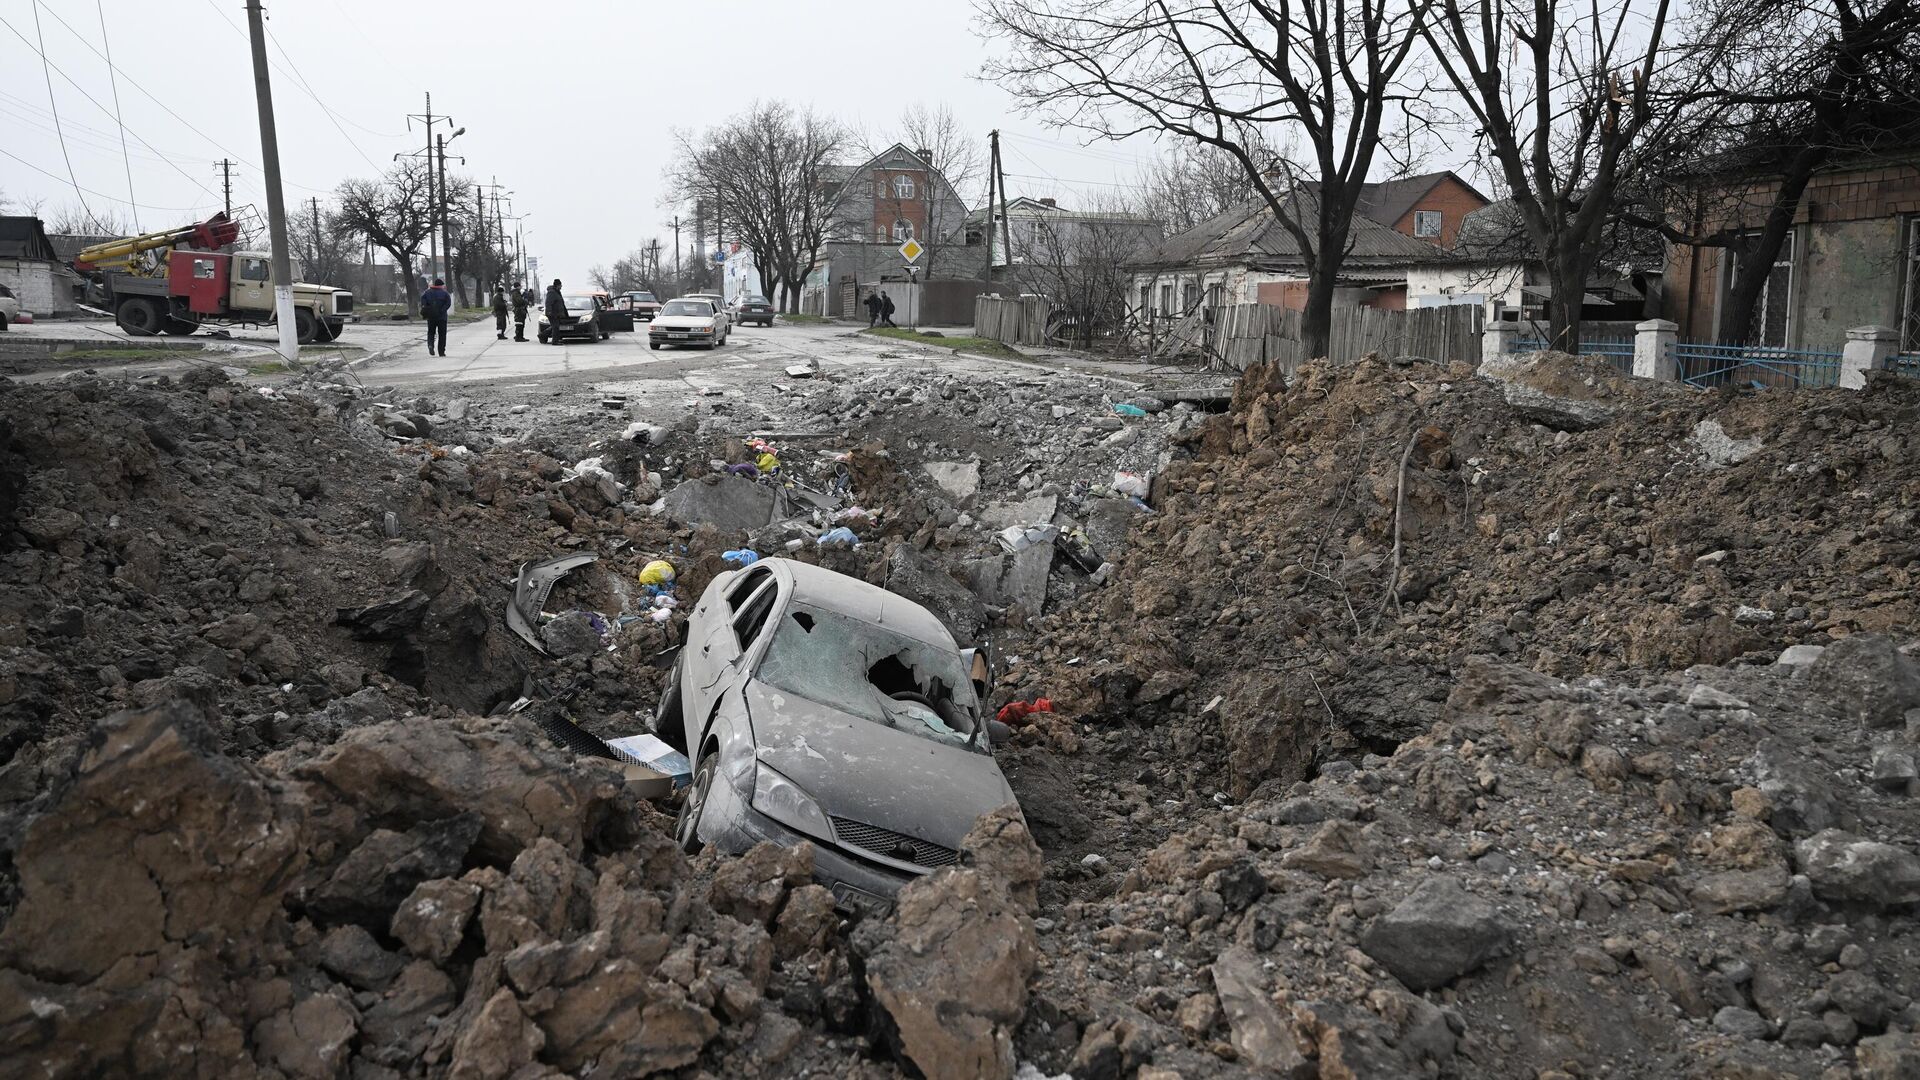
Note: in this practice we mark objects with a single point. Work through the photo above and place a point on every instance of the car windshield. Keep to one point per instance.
(579, 303)
(641, 297)
(695, 308)
(875, 674)
(759, 300)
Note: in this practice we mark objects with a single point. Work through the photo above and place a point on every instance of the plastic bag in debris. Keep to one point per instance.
(1022, 537)
(644, 433)
(657, 572)
(741, 556)
(1131, 484)
(767, 463)
(744, 469)
(665, 600)
(1018, 710)
(1124, 409)
(661, 615)
(841, 537)
(593, 470)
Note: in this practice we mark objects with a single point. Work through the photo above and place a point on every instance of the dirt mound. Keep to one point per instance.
(1337, 546)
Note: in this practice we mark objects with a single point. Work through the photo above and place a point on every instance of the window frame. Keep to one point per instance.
(1910, 285)
(1438, 218)
(903, 186)
(742, 591)
(751, 619)
(902, 230)
(1789, 260)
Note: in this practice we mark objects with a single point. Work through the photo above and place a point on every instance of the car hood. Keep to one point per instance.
(683, 322)
(872, 773)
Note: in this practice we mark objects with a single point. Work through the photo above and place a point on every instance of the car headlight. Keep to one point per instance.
(782, 800)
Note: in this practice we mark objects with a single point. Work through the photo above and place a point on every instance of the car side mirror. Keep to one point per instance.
(998, 734)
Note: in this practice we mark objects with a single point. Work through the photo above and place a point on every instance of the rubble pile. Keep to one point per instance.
(1707, 873)
(1340, 543)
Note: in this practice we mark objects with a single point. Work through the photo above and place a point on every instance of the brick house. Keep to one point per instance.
(1851, 259)
(880, 203)
(1428, 207)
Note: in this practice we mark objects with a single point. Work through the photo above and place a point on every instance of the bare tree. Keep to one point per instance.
(1197, 183)
(1077, 261)
(1566, 103)
(325, 247)
(394, 213)
(768, 167)
(74, 220)
(1217, 73)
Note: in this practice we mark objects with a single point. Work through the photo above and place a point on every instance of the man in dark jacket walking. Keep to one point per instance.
(556, 311)
(520, 301)
(434, 305)
(499, 313)
(873, 308)
(886, 310)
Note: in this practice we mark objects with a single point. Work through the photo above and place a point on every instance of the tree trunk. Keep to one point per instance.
(403, 266)
(1752, 273)
(768, 280)
(1316, 319)
(1567, 277)
(454, 270)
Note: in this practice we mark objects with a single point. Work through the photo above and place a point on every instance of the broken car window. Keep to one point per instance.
(874, 673)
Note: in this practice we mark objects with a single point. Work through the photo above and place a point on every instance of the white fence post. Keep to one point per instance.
(1869, 348)
(1653, 344)
(1497, 339)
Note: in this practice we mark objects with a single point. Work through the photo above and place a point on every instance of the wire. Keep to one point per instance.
(98, 194)
(301, 81)
(113, 80)
(53, 101)
(47, 63)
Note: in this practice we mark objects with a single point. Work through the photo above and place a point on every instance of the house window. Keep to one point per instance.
(903, 186)
(1426, 223)
(1910, 290)
(1166, 297)
(1215, 294)
(1146, 299)
(1772, 312)
(1189, 296)
(902, 230)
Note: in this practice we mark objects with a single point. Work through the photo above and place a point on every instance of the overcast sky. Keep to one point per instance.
(569, 103)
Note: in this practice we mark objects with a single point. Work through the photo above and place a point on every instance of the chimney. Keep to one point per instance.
(1049, 203)
(924, 156)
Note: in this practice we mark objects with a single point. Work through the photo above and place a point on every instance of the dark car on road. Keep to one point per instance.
(817, 707)
(582, 321)
(754, 309)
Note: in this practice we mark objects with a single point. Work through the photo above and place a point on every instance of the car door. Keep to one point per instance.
(251, 284)
(711, 642)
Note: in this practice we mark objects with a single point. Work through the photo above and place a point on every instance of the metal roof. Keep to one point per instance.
(1251, 234)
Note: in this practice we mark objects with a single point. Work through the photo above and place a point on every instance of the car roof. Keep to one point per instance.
(822, 588)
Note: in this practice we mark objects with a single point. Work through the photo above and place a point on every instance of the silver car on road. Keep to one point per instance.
(816, 706)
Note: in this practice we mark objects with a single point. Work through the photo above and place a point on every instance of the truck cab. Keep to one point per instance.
(222, 286)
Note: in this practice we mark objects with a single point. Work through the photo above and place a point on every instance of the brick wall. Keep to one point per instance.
(889, 207)
(1453, 199)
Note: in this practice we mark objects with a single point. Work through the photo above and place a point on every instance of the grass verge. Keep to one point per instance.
(979, 345)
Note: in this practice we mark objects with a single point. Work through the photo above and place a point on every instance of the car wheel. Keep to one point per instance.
(654, 345)
(686, 830)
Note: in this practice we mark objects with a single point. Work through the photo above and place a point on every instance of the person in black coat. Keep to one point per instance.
(434, 305)
(873, 308)
(886, 310)
(556, 312)
(499, 313)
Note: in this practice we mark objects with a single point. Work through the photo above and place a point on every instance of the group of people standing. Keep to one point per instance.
(879, 308)
(436, 303)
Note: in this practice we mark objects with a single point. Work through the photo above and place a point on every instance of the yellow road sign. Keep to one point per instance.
(911, 250)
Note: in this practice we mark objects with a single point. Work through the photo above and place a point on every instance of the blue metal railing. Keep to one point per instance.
(1756, 365)
(1619, 352)
(1907, 364)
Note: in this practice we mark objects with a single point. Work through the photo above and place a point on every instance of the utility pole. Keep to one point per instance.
(433, 191)
(226, 182)
(676, 254)
(999, 170)
(700, 236)
(276, 201)
(480, 209)
(993, 167)
(314, 202)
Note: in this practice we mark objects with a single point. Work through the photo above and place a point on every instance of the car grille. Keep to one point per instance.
(893, 845)
(342, 303)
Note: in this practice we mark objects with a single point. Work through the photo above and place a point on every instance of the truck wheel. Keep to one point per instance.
(327, 331)
(139, 316)
(303, 326)
(181, 327)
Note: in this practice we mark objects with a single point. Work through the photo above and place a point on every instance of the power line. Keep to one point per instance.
(114, 81)
(48, 63)
(98, 194)
(53, 101)
(301, 81)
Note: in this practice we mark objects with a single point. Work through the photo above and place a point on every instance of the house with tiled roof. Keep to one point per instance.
(1246, 256)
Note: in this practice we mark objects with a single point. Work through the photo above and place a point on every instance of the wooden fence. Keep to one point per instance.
(1245, 334)
(1015, 321)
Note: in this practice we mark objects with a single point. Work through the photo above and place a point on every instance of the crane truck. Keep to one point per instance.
(177, 280)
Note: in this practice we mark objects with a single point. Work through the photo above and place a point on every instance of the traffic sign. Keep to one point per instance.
(719, 257)
(911, 250)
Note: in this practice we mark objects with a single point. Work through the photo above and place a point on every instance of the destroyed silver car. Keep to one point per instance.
(816, 706)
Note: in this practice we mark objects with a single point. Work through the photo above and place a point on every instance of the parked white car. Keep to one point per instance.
(9, 307)
(688, 321)
(815, 706)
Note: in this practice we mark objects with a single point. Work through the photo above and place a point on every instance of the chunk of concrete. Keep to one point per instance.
(1037, 510)
(959, 479)
(1438, 934)
(723, 501)
(1010, 580)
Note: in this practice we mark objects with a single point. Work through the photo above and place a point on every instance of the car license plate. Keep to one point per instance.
(679, 337)
(861, 901)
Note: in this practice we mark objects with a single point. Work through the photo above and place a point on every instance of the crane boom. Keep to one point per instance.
(123, 254)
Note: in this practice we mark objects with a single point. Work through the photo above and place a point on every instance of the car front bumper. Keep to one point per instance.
(858, 886)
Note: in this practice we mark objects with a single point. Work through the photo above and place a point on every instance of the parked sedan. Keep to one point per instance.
(818, 707)
(582, 321)
(754, 309)
(9, 307)
(719, 304)
(688, 321)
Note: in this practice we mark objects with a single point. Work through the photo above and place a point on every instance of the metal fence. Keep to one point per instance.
(1758, 366)
(1618, 351)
